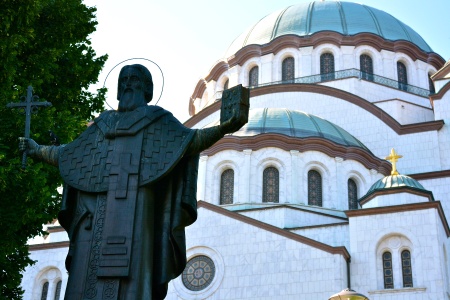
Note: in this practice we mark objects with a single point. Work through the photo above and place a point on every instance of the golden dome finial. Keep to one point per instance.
(393, 157)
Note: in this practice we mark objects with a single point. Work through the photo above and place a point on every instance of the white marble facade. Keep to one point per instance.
(293, 250)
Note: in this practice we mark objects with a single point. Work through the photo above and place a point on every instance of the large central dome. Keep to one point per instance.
(294, 123)
(347, 18)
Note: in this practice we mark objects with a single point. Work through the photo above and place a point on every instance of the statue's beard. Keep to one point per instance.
(130, 100)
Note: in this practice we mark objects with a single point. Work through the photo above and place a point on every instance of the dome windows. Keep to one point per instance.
(366, 67)
(431, 85)
(288, 69)
(253, 76)
(402, 76)
(327, 66)
(314, 188)
(271, 184)
(225, 85)
(352, 194)
(227, 187)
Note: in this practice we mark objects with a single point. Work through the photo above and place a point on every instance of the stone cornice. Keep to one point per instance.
(199, 90)
(318, 226)
(332, 92)
(324, 37)
(288, 143)
(396, 190)
(293, 208)
(439, 95)
(440, 74)
(287, 234)
(46, 246)
(216, 71)
(430, 175)
(337, 39)
(402, 208)
(52, 229)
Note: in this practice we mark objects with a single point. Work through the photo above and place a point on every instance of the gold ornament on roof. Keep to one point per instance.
(393, 158)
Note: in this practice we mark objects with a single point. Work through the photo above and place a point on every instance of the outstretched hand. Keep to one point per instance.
(28, 145)
(231, 125)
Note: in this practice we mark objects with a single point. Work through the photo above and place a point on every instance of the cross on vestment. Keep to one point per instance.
(30, 106)
(123, 169)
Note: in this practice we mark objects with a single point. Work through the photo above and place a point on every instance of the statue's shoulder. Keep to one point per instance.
(105, 121)
(153, 112)
(156, 112)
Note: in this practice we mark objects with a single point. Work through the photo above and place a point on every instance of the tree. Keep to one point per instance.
(43, 43)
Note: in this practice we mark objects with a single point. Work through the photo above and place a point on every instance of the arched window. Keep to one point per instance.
(327, 66)
(225, 85)
(253, 76)
(58, 290)
(387, 271)
(288, 69)
(366, 65)
(406, 269)
(352, 194)
(402, 76)
(44, 291)
(227, 187)
(271, 184)
(431, 85)
(314, 188)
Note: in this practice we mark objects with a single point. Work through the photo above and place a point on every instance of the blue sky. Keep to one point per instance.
(186, 38)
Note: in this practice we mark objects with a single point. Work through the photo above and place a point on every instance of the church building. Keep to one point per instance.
(340, 179)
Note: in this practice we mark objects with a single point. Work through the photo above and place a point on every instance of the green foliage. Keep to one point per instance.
(43, 43)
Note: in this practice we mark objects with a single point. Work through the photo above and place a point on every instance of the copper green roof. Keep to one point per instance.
(295, 123)
(346, 18)
(393, 182)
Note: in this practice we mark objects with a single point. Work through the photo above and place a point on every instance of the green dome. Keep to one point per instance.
(296, 124)
(346, 18)
(393, 182)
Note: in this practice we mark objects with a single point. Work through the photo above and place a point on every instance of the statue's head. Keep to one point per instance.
(135, 82)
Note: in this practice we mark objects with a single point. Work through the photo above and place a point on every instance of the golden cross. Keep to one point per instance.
(393, 157)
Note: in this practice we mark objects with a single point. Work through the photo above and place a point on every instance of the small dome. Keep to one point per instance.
(346, 18)
(296, 124)
(393, 182)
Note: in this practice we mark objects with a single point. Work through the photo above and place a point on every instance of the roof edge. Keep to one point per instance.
(402, 208)
(341, 250)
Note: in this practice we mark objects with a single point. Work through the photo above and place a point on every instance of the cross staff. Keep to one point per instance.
(29, 106)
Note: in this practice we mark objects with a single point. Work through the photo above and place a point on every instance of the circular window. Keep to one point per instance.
(199, 273)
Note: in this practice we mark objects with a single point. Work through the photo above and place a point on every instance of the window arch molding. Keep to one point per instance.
(326, 48)
(410, 67)
(280, 57)
(217, 176)
(245, 70)
(220, 84)
(382, 243)
(324, 173)
(279, 165)
(374, 54)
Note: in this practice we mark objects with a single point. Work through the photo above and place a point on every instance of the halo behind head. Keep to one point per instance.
(146, 77)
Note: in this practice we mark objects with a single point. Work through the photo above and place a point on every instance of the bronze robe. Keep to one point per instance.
(130, 192)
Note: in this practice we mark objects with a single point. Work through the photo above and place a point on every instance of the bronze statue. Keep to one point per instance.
(130, 190)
